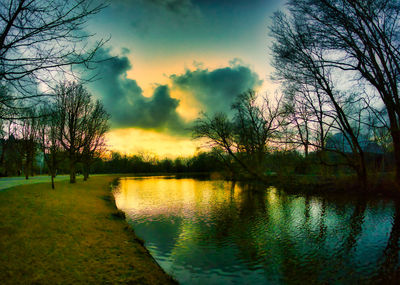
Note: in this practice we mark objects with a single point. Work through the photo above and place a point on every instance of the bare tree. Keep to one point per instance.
(299, 61)
(73, 107)
(82, 124)
(299, 120)
(94, 142)
(26, 130)
(41, 39)
(247, 136)
(362, 37)
(48, 137)
(256, 125)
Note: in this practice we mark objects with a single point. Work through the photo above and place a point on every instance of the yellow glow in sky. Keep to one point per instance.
(132, 140)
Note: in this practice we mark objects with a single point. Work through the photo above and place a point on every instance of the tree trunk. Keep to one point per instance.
(361, 166)
(52, 181)
(72, 172)
(362, 176)
(306, 150)
(396, 149)
(27, 169)
(85, 171)
(3, 150)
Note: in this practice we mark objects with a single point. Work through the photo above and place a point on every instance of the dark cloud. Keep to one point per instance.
(182, 7)
(165, 15)
(217, 89)
(124, 99)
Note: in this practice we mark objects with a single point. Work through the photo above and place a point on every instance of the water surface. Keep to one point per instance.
(216, 232)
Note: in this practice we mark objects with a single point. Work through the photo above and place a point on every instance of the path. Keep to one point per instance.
(8, 182)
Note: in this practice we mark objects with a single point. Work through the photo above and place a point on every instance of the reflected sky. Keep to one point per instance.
(215, 232)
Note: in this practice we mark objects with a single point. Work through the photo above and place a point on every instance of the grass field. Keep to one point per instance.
(70, 235)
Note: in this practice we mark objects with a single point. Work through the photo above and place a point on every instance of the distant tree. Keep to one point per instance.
(94, 142)
(74, 108)
(27, 132)
(13, 158)
(166, 165)
(257, 124)
(48, 137)
(204, 162)
(40, 39)
(2, 144)
(247, 136)
(6, 146)
(179, 165)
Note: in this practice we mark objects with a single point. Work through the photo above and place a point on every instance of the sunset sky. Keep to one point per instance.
(173, 59)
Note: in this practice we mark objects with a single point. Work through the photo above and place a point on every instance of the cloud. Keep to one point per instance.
(148, 18)
(216, 90)
(182, 7)
(124, 100)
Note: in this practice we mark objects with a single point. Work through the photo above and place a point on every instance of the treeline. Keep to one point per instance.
(67, 130)
(139, 163)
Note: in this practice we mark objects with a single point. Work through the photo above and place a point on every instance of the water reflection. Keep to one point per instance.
(215, 232)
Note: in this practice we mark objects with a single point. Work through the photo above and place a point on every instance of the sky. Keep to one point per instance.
(171, 60)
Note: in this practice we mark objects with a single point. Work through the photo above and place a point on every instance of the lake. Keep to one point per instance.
(217, 232)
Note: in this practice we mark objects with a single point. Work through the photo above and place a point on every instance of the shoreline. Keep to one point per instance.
(73, 234)
(119, 214)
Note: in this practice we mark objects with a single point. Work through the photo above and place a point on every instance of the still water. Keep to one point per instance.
(216, 232)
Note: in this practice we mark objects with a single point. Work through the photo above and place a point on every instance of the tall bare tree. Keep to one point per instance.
(256, 124)
(40, 39)
(363, 39)
(26, 130)
(94, 142)
(48, 137)
(299, 61)
(82, 124)
(73, 108)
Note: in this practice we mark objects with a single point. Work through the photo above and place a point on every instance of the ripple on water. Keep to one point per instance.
(208, 232)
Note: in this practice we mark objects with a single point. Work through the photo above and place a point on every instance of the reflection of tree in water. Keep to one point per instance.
(261, 230)
(251, 235)
(356, 222)
(238, 221)
(389, 270)
(283, 237)
(266, 235)
(237, 217)
(322, 224)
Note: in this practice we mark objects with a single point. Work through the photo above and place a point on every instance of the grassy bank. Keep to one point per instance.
(382, 184)
(70, 235)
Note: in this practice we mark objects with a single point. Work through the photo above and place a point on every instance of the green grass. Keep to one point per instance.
(70, 235)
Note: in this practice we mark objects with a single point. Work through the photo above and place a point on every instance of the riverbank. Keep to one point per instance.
(381, 184)
(70, 235)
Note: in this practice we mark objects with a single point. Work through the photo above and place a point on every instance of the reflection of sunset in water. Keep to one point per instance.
(176, 197)
(215, 232)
